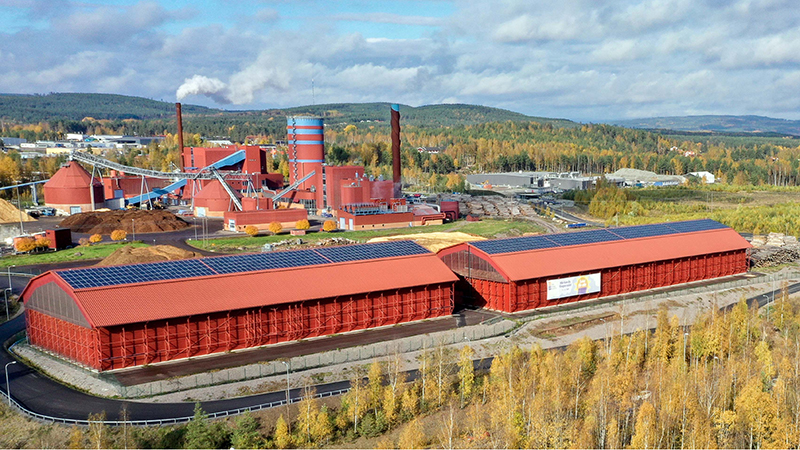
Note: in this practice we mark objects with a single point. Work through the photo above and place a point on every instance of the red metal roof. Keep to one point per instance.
(118, 305)
(214, 190)
(72, 175)
(557, 261)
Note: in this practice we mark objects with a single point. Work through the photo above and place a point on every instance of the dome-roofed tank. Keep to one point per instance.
(68, 190)
(213, 200)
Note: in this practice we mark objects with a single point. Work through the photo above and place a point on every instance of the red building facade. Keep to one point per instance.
(117, 326)
(513, 281)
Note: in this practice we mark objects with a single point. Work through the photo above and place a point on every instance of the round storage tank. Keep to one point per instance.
(68, 190)
(306, 139)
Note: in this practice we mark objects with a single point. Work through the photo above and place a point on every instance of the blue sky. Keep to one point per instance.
(585, 60)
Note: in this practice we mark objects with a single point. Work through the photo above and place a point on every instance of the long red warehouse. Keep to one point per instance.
(122, 316)
(519, 274)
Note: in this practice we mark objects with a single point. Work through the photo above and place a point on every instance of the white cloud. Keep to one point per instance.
(580, 59)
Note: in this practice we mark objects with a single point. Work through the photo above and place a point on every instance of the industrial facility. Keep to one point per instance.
(122, 316)
(519, 274)
(233, 182)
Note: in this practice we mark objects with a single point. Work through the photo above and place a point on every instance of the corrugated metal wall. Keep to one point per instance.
(72, 341)
(145, 343)
(530, 294)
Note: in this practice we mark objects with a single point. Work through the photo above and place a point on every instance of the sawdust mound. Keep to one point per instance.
(433, 241)
(105, 222)
(132, 255)
(9, 213)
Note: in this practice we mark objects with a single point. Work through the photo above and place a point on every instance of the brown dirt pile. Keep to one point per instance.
(132, 255)
(9, 213)
(105, 222)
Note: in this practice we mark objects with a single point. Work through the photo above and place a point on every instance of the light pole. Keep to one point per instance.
(8, 386)
(5, 292)
(287, 382)
(133, 228)
(9, 277)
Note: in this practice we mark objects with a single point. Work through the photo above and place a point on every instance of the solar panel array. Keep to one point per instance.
(264, 261)
(175, 270)
(372, 251)
(510, 245)
(139, 273)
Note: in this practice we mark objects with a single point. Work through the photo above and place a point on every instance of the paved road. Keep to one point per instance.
(45, 396)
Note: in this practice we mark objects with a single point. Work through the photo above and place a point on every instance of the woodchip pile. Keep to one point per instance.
(10, 214)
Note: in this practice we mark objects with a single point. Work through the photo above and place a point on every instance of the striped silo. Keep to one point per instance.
(306, 153)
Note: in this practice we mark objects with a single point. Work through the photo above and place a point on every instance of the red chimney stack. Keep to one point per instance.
(180, 131)
(396, 173)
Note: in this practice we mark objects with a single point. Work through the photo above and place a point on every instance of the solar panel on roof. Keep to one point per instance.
(136, 273)
(641, 231)
(509, 245)
(372, 251)
(583, 237)
(264, 261)
(695, 225)
(522, 244)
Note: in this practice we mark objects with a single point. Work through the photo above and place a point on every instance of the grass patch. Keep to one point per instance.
(485, 228)
(97, 251)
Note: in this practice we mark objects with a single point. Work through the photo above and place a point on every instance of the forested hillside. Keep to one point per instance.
(88, 113)
(727, 381)
(76, 106)
(720, 124)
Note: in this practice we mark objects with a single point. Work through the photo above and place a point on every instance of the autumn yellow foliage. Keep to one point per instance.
(275, 227)
(118, 235)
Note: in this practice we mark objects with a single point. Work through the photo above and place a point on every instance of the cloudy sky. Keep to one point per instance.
(586, 60)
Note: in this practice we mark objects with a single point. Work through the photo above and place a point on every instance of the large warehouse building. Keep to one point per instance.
(122, 316)
(524, 273)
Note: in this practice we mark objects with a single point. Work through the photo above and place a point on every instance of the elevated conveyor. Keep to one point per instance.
(156, 193)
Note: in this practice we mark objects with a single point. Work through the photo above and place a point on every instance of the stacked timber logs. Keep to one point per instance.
(773, 250)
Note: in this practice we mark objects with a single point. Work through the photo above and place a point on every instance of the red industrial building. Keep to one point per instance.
(68, 190)
(122, 316)
(524, 273)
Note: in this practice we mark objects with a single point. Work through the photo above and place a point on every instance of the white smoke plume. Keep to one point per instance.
(242, 86)
(199, 84)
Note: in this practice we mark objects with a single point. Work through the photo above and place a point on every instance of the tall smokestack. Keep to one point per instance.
(398, 186)
(180, 131)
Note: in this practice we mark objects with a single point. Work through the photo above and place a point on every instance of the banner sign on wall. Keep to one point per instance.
(569, 287)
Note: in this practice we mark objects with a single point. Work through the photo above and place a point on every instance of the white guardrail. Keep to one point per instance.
(168, 421)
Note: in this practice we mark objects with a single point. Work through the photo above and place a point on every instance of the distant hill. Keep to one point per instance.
(429, 115)
(75, 106)
(717, 124)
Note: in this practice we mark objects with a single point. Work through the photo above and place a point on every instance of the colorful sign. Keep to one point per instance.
(572, 286)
